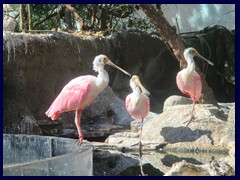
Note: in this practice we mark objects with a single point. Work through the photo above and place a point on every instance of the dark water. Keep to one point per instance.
(114, 163)
(60, 156)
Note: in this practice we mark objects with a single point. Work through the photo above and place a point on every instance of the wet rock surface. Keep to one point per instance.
(213, 168)
(209, 131)
(159, 163)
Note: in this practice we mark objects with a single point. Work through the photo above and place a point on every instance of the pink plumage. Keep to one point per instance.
(192, 88)
(139, 111)
(74, 96)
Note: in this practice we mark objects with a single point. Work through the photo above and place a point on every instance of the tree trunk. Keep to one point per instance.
(94, 14)
(175, 42)
(78, 17)
(103, 20)
(68, 19)
(22, 17)
(29, 17)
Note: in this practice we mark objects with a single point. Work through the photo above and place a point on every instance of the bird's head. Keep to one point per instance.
(191, 52)
(101, 60)
(135, 79)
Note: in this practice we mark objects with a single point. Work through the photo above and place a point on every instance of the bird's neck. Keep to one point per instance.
(102, 79)
(136, 96)
(191, 65)
(137, 91)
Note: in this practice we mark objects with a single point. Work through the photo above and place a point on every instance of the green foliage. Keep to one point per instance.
(41, 11)
(113, 16)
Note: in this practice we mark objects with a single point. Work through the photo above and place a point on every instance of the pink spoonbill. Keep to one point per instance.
(137, 103)
(81, 92)
(138, 106)
(188, 80)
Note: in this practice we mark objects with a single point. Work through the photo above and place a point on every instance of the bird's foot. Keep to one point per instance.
(138, 143)
(81, 141)
(143, 174)
(189, 121)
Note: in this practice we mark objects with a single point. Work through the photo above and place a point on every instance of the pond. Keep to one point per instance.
(115, 163)
(44, 155)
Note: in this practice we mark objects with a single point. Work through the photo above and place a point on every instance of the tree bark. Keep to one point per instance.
(103, 20)
(78, 17)
(68, 19)
(23, 17)
(94, 14)
(29, 17)
(175, 41)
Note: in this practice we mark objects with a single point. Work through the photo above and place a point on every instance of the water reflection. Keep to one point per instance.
(115, 163)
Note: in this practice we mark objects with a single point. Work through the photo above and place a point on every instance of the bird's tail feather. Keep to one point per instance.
(51, 114)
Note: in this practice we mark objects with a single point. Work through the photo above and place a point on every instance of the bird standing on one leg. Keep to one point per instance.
(188, 80)
(81, 92)
(138, 106)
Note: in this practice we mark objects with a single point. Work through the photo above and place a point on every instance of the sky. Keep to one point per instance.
(195, 17)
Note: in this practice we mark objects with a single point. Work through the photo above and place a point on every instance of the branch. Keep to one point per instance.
(45, 19)
(167, 31)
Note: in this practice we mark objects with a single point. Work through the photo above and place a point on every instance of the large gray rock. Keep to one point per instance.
(137, 123)
(175, 100)
(207, 132)
(107, 101)
(231, 124)
(213, 168)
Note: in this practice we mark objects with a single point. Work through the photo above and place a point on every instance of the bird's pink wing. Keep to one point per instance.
(147, 104)
(192, 89)
(127, 103)
(197, 87)
(180, 84)
(71, 97)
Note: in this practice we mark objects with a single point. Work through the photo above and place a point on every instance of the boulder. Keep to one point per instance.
(213, 168)
(208, 131)
(231, 124)
(111, 107)
(175, 100)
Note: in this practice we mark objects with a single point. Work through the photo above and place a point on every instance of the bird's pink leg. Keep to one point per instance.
(140, 150)
(140, 163)
(191, 117)
(140, 137)
(78, 114)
